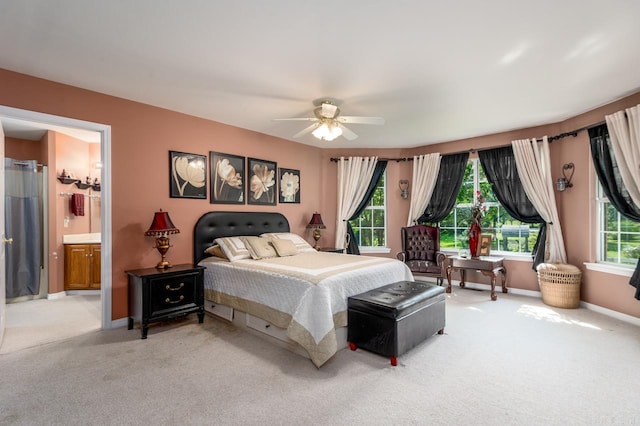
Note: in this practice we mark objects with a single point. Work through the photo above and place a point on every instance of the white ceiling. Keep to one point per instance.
(436, 71)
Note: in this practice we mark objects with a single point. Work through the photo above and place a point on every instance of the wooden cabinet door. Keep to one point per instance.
(95, 260)
(76, 266)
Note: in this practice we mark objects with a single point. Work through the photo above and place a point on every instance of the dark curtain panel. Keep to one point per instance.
(447, 187)
(499, 166)
(381, 166)
(612, 185)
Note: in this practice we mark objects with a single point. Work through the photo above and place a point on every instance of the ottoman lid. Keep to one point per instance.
(396, 299)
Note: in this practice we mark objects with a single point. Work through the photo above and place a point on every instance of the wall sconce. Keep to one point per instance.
(316, 224)
(404, 188)
(160, 228)
(565, 182)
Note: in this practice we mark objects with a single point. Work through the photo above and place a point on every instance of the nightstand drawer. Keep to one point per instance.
(170, 293)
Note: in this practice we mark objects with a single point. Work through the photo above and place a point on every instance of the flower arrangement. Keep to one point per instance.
(478, 208)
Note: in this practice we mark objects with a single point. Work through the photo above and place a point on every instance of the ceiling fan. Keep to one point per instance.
(328, 124)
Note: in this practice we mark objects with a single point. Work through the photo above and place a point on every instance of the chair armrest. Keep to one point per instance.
(401, 256)
(440, 258)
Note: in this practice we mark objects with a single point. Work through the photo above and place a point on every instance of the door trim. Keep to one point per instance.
(105, 192)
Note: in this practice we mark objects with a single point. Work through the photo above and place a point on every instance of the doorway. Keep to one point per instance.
(35, 121)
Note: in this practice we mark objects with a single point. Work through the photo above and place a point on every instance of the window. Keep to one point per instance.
(508, 235)
(370, 228)
(618, 237)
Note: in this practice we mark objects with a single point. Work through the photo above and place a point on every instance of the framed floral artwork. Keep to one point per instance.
(289, 186)
(262, 182)
(187, 175)
(227, 178)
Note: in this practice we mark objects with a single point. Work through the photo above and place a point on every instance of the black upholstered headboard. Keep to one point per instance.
(213, 225)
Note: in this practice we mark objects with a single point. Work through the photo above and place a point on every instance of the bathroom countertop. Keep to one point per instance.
(92, 238)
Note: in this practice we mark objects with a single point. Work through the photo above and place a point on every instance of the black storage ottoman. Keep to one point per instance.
(391, 320)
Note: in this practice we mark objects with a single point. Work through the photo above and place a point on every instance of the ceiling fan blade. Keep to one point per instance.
(360, 120)
(306, 130)
(348, 134)
(295, 119)
(328, 110)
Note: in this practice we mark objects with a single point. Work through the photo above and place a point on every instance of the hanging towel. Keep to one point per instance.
(76, 204)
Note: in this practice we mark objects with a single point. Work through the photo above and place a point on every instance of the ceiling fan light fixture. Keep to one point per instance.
(327, 131)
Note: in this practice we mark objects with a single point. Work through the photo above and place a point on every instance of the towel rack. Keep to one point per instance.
(69, 194)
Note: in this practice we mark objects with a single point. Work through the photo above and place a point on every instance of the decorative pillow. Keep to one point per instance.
(284, 247)
(215, 250)
(259, 248)
(233, 248)
(301, 244)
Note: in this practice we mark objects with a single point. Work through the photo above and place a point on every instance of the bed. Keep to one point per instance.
(299, 297)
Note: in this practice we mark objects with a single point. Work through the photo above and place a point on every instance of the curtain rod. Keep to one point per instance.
(335, 159)
(24, 163)
(573, 133)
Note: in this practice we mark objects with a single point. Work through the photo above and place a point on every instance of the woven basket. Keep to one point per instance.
(560, 284)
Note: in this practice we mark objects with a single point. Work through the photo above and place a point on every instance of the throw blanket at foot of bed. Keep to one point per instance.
(305, 294)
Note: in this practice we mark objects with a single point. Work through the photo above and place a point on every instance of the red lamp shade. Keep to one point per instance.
(161, 225)
(316, 221)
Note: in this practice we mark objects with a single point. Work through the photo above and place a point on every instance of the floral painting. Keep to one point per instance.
(188, 175)
(262, 182)
(289, 186)
(227, 178)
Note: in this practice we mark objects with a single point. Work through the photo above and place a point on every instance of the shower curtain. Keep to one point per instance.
(22, 223)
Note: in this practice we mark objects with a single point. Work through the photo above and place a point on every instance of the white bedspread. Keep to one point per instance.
(310, 287)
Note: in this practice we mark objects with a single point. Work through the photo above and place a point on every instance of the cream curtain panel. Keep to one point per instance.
(624, 133)
(425, 175)
(534, 168)
(354, 175)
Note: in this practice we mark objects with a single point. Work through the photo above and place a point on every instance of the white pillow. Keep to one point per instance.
(259, 248)
(284, 247)
(233, 248)
(301, 244)
(215, 250)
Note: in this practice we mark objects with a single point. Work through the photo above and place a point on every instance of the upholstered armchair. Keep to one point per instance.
(421, 251)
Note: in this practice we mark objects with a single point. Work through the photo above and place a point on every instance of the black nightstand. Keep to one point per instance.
(331, 250)
(163, 294)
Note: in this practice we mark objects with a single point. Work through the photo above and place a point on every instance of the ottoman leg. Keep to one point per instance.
(394, 361)
(352, 346)
(441, 331)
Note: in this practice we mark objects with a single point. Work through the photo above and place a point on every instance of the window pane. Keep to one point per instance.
(366, 237)
(378, 218)
(369, 227)
(378, 238)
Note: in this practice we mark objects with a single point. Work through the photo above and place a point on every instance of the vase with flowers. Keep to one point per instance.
(477, 212)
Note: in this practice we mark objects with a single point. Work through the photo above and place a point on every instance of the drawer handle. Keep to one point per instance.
(167, 300)
(168, 287)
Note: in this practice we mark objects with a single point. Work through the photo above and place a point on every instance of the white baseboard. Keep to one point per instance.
(58, 295)
(610, 313)
(120, 322)
(83, 292)
(532, 293)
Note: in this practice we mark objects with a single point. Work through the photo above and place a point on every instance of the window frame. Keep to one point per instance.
(375, 249)
(602, 204)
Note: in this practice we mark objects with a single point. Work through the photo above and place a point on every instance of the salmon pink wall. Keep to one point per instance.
(141, 138)
(142, 135)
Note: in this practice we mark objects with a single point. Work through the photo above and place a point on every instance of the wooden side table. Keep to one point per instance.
(331, 250)
(163, 294)
(487, 265)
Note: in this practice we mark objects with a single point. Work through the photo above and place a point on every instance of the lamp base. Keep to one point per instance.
(164, 264)
(162, 245)
(316, 237)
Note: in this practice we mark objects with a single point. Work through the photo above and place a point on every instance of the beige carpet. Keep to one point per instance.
(36, 322)
(514, 361)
